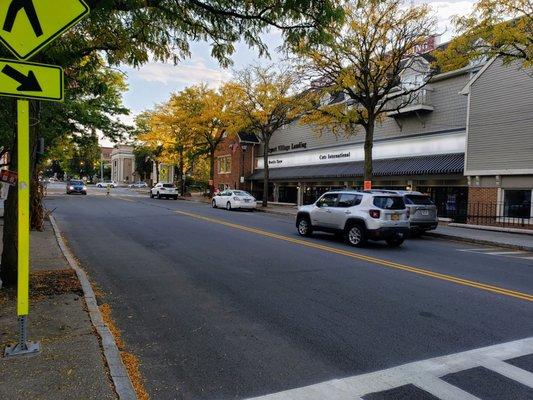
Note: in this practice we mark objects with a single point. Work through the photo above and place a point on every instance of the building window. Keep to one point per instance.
(517, 203)
(224, 165)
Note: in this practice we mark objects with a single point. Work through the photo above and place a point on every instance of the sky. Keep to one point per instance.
(154, 82)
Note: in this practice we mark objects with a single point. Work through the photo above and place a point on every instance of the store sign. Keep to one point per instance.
(292, 146)
(401, 147)
(8, 177)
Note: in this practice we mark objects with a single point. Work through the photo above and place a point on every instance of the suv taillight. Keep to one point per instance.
(374, 213)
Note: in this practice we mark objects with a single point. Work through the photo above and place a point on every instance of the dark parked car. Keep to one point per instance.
(76, 187)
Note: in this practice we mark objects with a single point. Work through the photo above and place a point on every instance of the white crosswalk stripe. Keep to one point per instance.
(425, 375)
(499, 252)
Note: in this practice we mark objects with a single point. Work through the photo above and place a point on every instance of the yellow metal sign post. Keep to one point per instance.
(26, 27)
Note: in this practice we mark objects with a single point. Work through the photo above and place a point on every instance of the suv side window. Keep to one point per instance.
(349, 200)
(328, 200)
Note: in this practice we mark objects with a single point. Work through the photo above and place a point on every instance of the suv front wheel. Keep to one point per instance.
(355, 235)
(304, 226)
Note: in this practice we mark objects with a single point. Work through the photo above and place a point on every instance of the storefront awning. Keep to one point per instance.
(423, 165)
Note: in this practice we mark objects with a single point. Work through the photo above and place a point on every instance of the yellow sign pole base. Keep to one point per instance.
(23, 153)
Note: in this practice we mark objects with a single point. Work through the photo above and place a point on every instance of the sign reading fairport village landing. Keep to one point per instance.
(26, 27)
(29, 25)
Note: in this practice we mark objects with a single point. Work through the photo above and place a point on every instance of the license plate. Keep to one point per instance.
(425, 212)
(395, 217)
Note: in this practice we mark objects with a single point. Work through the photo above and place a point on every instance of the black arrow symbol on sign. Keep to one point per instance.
(29, 9)
(28, 83)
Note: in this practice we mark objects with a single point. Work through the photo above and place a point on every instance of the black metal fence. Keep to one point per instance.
(493, 214)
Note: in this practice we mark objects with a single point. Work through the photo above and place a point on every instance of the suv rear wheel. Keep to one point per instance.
(304, 226)
(395, 241)
(355, 235)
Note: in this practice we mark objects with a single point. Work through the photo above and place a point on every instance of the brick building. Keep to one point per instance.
(234, 160)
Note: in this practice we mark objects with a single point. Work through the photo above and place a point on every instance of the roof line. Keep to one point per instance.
(466, 89)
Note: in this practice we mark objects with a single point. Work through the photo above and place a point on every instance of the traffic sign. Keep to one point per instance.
(26, 26)
(30, 80)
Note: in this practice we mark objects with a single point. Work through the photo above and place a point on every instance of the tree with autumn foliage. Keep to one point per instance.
(209, 117)
(266, 101)
(356, 76)
(494, 28)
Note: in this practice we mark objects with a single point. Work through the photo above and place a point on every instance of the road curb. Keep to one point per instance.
(119, 375)
(276, 212)
(479, 241)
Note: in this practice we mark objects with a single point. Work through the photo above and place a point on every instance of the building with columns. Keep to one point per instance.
(123, 164)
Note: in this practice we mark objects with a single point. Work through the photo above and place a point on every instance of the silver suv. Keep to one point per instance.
(422, 211)
(358, 216)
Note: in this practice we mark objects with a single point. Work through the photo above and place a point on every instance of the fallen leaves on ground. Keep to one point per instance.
(54, 282)
(131, 362)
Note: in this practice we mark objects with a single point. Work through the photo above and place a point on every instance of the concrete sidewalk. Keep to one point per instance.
(503, 239)
(70, 365)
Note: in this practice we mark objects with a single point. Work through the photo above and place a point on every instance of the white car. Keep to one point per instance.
(104, 184)
(167, 190)
(138, 185)
(230, 199)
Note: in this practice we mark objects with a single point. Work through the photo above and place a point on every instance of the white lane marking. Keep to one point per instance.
(510, 371)
(478, 249)
(442, 390)
(506, 253)
(423, 374)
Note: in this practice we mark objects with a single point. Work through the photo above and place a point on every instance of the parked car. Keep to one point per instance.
(138, 185)
(167, 190)
(231, 199)
(104, 184)
(357, 216)
(422, 211)
(76, 186)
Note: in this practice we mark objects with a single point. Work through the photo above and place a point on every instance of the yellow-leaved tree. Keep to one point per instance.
(153, 139)
(494, 28)
(356, 76)
(208, 117)
(170, 120)
(266, 100)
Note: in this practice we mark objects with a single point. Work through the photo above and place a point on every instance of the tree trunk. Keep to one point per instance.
(212, 172)
(8, 264)
(37, 212)
(8, 270)
(156, 172)
(369, 144)
(182, 173)
(267, 172)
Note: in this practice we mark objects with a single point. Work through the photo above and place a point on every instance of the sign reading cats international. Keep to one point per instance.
(26, 26)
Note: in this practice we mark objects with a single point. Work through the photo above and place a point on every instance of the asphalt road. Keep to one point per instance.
(233, 305)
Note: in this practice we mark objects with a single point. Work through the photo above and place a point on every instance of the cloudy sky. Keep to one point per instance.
(154, 82)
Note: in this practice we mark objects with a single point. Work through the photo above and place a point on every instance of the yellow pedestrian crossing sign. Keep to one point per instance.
(26, 26)
(31, 81)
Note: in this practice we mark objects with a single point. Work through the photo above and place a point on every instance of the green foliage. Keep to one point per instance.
(495, 28)
(143, 162)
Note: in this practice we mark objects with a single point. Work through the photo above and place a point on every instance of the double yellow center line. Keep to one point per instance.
(373, 260)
